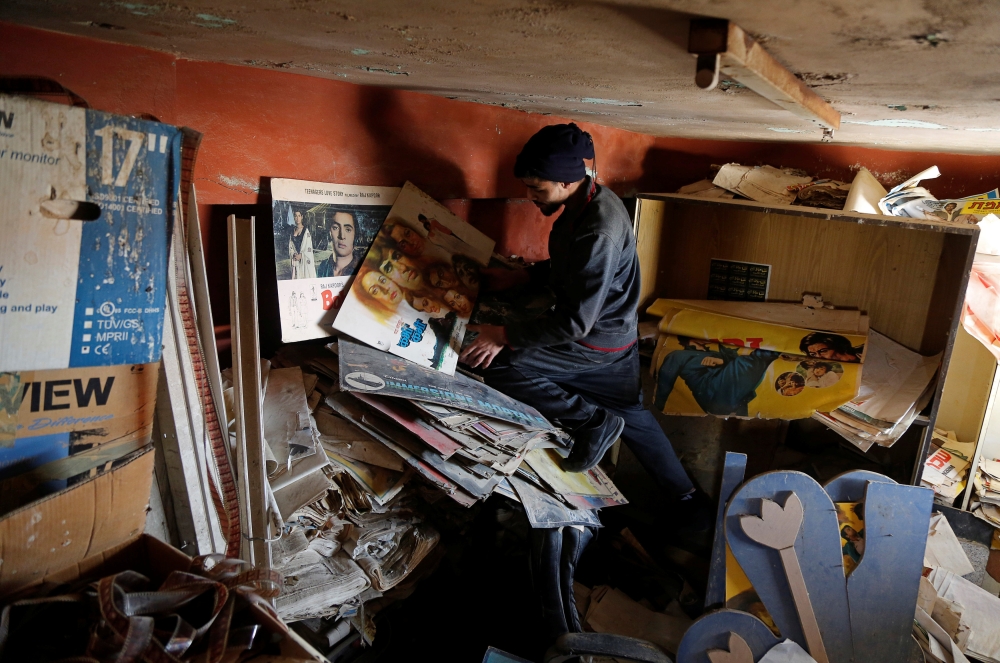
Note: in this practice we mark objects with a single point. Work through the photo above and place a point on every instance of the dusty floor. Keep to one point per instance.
(910, 74)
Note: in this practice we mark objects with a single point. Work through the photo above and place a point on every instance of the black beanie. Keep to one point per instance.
(556, 153)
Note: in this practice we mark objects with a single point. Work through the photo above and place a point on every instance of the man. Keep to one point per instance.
(342, 262)
(578, 363)
(829, 346)
(722, 382)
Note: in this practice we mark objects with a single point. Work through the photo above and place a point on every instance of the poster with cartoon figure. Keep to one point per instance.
(415, 289)
(709, 363)
(321, 235)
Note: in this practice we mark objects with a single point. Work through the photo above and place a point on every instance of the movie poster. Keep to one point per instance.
(708, 363)
(321, 235)
(416, 287)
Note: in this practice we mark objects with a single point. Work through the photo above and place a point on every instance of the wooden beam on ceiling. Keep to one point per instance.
(724, 48)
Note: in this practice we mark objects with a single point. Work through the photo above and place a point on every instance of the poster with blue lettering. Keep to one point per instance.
(322, 233)
(88, 203)
(414, 292)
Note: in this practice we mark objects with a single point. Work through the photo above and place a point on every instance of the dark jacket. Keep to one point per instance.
(593, 270)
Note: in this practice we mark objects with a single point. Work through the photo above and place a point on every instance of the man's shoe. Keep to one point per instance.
(591, 442)
(694, 512)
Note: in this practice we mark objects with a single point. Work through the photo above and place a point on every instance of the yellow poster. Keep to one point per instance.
(708, 363)
(850, 517)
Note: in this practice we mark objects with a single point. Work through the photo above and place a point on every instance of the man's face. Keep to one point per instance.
(409, 241)
(547, 196)
(400, 269)
(342, 234)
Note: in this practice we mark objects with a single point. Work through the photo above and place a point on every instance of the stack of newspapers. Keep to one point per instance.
(896, 384)
(401, 445)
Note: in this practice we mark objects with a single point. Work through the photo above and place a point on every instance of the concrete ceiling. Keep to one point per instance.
(907, 74)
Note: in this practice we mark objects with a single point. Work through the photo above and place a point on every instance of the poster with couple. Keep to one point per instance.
(709, 363)
(414, 290)
(321, 235)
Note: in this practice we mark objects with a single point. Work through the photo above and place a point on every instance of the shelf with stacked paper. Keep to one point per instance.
(908, 276)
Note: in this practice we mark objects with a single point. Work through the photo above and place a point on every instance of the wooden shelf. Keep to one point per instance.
(908, 275)
(822, 213)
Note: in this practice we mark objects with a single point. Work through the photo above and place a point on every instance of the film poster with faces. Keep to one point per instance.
(322, 233)
(414, 292)
(708, 363)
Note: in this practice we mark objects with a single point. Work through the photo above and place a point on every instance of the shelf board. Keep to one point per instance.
(821, 213)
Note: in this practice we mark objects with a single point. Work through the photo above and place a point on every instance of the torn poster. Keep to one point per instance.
(321, 235)
(709, 363)
(366, 370)
(415, 289)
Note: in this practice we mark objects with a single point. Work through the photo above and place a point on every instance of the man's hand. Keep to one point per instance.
(486, 346)
(501, 278)
(712, 361)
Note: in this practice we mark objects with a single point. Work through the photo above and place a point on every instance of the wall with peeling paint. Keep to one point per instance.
(260, 123)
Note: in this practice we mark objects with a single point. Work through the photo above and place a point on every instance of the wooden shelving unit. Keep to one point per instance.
(908, 275)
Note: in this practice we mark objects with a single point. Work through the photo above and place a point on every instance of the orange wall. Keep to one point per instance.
(260, 123)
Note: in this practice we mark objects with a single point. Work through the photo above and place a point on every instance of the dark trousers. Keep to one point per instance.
(569, 383)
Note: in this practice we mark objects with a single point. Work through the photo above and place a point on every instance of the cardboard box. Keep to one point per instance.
(95, 529)
(79, 523)
(58, 426)
(88, 200)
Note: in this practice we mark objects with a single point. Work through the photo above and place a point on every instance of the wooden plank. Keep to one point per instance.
(724, 47)
(251, 479)
(733, 470)
(777, 527)
(967, 388)
(896, 522)
(650, 231)
(850, 486)
(850, 321)
(889, 272)
(712, 632)
(818, 213)
(209, 375)
(958, 275)
(817, 547)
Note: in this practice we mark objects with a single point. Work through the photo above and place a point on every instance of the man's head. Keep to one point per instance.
(825, 345)
(342, 234)
(407, 239)
(551, 164)
(689, 343)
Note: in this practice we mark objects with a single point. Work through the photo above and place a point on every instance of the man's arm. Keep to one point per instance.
(592, 267)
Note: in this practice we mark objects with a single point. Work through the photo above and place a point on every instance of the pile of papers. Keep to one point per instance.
(986, 503)
(896, 384)
(395, 438)
(954, 616)
(946, 470)
(773, 186)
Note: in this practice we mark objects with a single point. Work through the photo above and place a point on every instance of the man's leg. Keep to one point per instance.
(617, 386)
(531, 377)
(538, 376)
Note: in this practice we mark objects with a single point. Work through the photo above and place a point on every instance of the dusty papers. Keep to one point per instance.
(321, 234)
(943, 548)
(895, 385)
(765, 184)
(415, 289)
(980, 611)
(946, 469)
